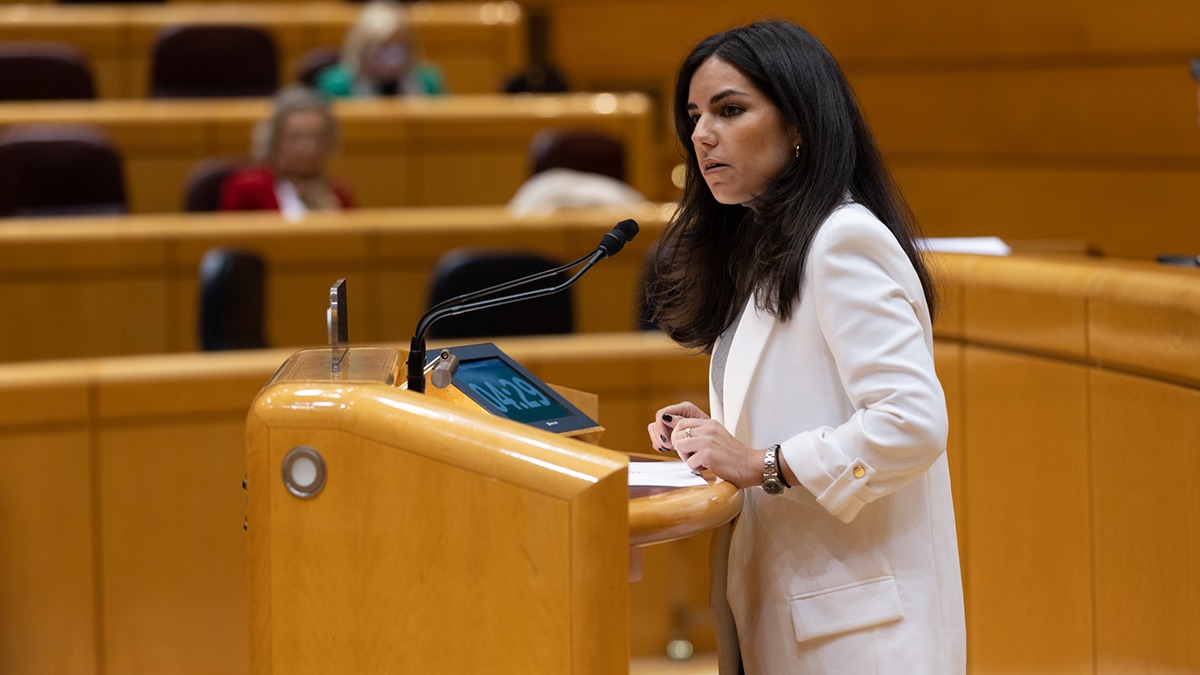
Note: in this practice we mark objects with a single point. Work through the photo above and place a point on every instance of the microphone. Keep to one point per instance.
(610, 244)
(614, 240)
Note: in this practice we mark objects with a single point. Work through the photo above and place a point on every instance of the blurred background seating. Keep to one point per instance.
(210, 61)
(31, 71)
(464, 270)
(232, 298)
(54, 170)
(202, 193)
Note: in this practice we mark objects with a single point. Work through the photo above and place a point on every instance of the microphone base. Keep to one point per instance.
(415, 372)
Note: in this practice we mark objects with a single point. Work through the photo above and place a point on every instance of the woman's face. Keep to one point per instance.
(741, 139)
(302, 146)
(390, 59)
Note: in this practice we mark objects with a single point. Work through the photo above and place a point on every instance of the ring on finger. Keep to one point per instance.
(687, 433)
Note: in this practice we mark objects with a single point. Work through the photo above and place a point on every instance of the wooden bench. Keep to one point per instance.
(477, 45)
(445, 151)
(130, 285)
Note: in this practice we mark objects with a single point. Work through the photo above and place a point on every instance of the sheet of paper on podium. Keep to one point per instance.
(663, 474)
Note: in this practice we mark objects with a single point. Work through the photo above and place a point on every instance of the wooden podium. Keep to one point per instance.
(390, 532)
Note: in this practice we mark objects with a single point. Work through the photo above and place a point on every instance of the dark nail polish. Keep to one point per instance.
(662, 449)
(664, 438)
(667, 418)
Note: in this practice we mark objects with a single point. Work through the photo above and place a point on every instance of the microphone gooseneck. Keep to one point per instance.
(610, 244)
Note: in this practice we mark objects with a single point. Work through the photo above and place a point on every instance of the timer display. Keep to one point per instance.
(507, 391)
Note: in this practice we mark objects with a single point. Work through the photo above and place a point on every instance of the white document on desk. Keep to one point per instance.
(663, 474)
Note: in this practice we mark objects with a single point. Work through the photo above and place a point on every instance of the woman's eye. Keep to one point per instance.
(695, 119)
(731, 110)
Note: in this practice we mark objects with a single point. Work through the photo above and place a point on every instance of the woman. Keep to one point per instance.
(792, 260)
(380, 58)
(292, 148)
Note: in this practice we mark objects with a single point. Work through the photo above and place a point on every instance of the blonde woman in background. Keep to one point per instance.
(380, 57)
(292, 149)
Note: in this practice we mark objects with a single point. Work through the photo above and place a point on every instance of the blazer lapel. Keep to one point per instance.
(744, 354)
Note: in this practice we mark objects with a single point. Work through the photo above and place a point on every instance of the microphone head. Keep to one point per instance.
(612, 242)
(629, 227)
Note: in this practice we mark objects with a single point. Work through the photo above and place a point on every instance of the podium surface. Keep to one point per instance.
(437, 538)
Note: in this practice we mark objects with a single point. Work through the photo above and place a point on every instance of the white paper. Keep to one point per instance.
(663, 474)
(976, 245)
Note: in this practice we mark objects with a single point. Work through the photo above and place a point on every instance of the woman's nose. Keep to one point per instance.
(703, 133)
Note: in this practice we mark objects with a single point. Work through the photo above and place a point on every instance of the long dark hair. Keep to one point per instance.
(715, 255)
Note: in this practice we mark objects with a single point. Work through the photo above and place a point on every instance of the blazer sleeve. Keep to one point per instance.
(873, 317)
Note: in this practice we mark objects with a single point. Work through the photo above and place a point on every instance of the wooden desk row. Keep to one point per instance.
(446, 151)
(124, 550)
(97, 287)
(476, 44)
(1074, 390)
(1074, 396)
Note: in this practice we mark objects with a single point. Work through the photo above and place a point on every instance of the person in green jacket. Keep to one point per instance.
(380, 57)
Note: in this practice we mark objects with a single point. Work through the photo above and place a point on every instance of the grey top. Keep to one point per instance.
(720, 357)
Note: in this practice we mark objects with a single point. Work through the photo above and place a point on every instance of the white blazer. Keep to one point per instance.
(856, 569)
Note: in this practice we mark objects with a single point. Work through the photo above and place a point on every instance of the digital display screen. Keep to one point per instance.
(506, 390)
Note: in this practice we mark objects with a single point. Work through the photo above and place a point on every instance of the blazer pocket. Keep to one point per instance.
(846, 608)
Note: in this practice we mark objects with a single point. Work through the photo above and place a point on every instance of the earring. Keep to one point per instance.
(797, 151)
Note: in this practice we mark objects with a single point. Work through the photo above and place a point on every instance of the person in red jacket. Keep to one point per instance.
(292, 148)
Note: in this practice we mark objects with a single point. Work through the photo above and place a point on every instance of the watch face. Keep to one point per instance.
(772, 486)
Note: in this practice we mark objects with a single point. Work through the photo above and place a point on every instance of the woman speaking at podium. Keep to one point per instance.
(791, 259)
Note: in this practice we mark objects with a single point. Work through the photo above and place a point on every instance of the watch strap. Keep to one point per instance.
(771, 474)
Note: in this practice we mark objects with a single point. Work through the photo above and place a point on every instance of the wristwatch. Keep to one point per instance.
(772, 484)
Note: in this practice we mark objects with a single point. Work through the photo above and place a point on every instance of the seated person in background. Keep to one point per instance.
(562, 188)
(292, 148)
(380, 57)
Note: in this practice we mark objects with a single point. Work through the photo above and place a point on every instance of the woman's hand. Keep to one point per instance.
(704, 443)
(666, 419)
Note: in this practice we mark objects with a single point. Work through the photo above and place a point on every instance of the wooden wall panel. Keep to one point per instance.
(1150, 325)
(1127, 212)
(1000, 118)
(48, 583)
(100, 303)
(1146, 497)
(669, 600)
(876, 31)
(1028, 546)
(1005, 303)
(949, 361)
(1096, 115)
(173, 560)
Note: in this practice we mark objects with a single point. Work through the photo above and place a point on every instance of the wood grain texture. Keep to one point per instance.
(470, 149)
(1146, 469)
(1074, 476)
(435, 522)
(475, 44)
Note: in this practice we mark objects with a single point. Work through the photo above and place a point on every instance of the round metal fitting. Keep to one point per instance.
(303, 471)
